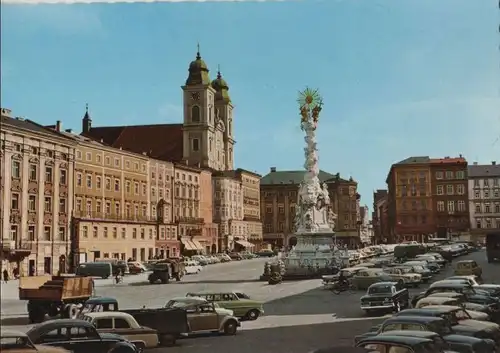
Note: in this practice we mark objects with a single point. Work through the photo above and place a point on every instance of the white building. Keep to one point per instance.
(484, 197)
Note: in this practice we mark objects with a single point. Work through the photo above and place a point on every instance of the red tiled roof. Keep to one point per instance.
(162, 141)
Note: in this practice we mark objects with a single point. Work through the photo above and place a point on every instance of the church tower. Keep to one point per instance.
(224, 122)
(199, 129)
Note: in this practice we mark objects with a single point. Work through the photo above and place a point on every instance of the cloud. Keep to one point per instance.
(122, 1)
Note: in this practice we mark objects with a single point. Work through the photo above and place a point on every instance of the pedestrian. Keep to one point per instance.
(5, 275)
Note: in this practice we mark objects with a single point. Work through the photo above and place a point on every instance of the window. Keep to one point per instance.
(108, 208)
(486, 194)
(48, 204)
(281, 209)
(269, 209)
(31, 233)
(134, 233)
(439, 175)
(13, 232)
(195, 114)
(105, 232)
(487, 208)
(478, 208)
(488, 223)
(88, 156)
(117, 162)
(117, 185)
(127, 187)
(78, 205)
(144, 210)
(85, 231)
(136, 188)
(451, 206)
(107, 161)
(144, 189)
(485, 182)
(115, 232)
(33, 172)
(478, 223)
(449, 189)
(121, 323)
(95, 232)
(63, 177)
(89, 181)
(48, 174)
(449, 174)
(89, 207)
(98, 182)
(153, 192)
(46, 233)
(108, 183)
(14, 202)
(196, 145)
(461, 174)
(497, 208)
(16, 169)
(117, 208)
(496, 194)
(124, 233)
(98, 206)
(460, 189)
(32, 203)
(439, 190)
(62, 233)
(440, 206)
(461, 206)
(62, 205)
(477, 194)
(78, 155)
(78, 179)
(103, 323)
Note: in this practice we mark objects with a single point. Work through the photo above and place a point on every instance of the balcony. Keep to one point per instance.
(12, 247)
(189, 220)
(113, 217)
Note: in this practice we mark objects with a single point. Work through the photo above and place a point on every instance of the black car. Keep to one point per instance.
(385, 296)
(439, 342)
(413, 323)
(78, 336)
(467, 344)
(409, 344)
(452, 315)
(472, 295)
(492, 289)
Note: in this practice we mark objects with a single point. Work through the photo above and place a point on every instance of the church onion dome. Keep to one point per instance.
(221, 88)
(198, 72)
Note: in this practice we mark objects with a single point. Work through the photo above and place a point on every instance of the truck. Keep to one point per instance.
(170, 323)
(493, 246)
(165, 270)
(54, 295)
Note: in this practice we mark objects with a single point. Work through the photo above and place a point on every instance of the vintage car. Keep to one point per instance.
(399, 344)
(365, 278)
(433, 267)
(468, 268)
(439, 342)
(458, 321)
(438, 301)
(385, 296)
(492, 289)
(409, 278)
(77, 336)
(462, 301)
(467, 279)
(192, 267)
(125, 325)
(239, 303)
(330, 280)
(431, 259)
(472, 294)
(204, 316)
(18, 342)
(165, 270)
(424, 272)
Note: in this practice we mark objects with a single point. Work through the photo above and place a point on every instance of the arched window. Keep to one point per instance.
(195, 114)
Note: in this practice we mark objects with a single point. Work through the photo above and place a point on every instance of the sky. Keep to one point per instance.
(399, 78)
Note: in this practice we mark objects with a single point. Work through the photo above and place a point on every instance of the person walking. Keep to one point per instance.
(5, 275)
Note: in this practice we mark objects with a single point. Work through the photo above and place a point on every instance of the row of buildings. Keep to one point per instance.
(126, 191)
(439, 197)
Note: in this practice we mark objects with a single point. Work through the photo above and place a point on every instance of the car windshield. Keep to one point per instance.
(405, 270)
(177, 304)
(14, 342)
(242, 296)
(380, 290)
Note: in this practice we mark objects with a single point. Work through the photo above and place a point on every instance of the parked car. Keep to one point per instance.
(365, 278)
(439, 342)
(265, 253)
(204, 316)
(224, 257)
(492, 289)
(18, 342)
(241, 305)
(468, 279)
(235, 256)
(424, 272)
(409, 278)
(438, 301)
(125, 325)
(398, 344)
(473, 295)
(385, 296)
(202, 260)
(192, 267)
(77, 336)
(468, 268)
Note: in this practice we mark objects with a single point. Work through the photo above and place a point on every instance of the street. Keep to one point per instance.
(299, 316)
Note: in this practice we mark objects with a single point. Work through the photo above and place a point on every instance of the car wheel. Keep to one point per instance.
(253, 314)
(167, 340)
(230, 327)
(140, 347)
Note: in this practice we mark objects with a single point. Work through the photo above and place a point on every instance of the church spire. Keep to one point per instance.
(198, 71)
(86, 121)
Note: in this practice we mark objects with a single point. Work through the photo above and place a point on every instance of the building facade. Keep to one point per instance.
(278, 200)
(36, 195)
(250, 187)
(484, 198)
(410, 201)
(450, 196)
(379, 199)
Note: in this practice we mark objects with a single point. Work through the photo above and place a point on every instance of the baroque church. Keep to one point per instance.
(205, 138)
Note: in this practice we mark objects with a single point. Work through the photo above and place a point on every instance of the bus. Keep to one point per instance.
(493, 246)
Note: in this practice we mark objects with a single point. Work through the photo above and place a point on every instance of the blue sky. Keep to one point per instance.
(398, 77)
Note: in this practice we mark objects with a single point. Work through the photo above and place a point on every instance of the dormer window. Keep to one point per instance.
(195, 114)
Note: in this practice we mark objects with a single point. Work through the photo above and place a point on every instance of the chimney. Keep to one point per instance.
(273, 169)
(58, 125)
(6, 112)
(69, 130)
(493, 162)
(475, 163)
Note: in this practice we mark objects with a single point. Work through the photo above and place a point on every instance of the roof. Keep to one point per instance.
(427, 310)
(101, 300)
(481, 171)
(18, 123)
(403, 340)
(382, 284)
(452, 283)
(448, 160)
(101, 314)
(189, 299)
(423, 319)
(162, 141)
(12, 333)
(288, 177)
(411, 333)
(414, 160)
(47, 326)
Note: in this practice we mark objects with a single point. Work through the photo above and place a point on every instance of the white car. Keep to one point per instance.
(192, 267)
(469, 279)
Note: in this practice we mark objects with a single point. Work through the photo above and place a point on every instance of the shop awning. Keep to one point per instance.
(245, 243)
(198, 245)
(188, 245)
